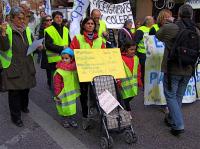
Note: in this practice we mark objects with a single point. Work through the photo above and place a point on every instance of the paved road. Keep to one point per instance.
(43, 131)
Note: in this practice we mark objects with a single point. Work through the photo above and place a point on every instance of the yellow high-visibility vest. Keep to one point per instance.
(57, 40)
(97, 43)
(6, 56)
(69, 93)
(130, 83)
(141, 47)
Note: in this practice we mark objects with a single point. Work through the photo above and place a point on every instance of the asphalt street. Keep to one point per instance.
(43, 130)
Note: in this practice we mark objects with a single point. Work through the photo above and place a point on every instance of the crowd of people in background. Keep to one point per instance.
(56, 56)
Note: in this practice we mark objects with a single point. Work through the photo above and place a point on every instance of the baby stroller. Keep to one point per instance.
(119, 120)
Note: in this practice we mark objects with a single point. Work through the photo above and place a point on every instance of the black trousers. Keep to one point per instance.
(18, 100)
(142, 59)
(48, 73)
(127, 104)
(84, 98)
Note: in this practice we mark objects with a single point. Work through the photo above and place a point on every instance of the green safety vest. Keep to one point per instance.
(102, 28)
(130, 83)
(6, 56)
(141, 47)
(156, 27)
(57, 40)
(69, 93)
(97, 43)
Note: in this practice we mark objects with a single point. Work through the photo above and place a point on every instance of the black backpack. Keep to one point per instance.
(186, 48)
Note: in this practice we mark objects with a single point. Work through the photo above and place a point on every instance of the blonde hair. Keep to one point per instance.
(162, 16)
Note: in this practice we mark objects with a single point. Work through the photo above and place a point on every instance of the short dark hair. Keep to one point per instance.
(55, 13)
(127, 45)
(185, 11)
(85, 21)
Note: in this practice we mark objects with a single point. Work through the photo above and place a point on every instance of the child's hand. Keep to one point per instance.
(58, 100)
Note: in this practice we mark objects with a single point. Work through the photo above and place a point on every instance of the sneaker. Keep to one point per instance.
(176, 132)
(73, 123)
(65, 124)
(18, 123)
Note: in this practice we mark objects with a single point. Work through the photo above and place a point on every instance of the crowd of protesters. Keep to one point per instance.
(57, 58)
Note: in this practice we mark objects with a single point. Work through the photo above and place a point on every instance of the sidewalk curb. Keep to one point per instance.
(59, 134)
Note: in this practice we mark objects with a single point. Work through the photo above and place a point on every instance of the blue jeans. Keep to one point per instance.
(174, 98)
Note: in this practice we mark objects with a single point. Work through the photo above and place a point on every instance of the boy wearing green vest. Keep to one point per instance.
(129, 86)
(66, 88)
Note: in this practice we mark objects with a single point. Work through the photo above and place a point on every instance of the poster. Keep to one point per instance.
(113, 14)
(95, 62)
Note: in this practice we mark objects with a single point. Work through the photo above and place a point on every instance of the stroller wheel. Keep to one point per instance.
(104, 143)
(134, 138)
(130, 137)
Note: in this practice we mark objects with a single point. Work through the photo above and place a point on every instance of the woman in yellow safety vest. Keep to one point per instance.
(66, 88)
(129, 86)
(88, 39)
(18, 74)
(56, 39)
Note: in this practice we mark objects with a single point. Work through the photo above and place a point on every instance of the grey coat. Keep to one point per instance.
(21, 73)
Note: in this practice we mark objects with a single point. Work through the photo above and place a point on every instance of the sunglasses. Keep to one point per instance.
(47, 20)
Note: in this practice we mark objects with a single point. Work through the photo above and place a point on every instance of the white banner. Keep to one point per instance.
(79, 9)
(153, 94)
(113, 14)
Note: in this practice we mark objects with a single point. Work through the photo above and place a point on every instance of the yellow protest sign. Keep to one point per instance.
(95, 62)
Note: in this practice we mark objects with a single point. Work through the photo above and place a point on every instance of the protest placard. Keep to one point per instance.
(113, 14)
(95, 62)
(107, 102)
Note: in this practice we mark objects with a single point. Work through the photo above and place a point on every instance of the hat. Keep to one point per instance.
(67, 51)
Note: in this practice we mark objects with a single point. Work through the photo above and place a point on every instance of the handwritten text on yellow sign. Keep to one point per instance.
(95, 62)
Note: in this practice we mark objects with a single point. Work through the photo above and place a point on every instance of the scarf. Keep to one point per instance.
(18, 30)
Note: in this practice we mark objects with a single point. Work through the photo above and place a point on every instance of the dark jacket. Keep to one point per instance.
(138, 36)
(123, 37)
(44, 60)
(52, 47)
(167, 34)
(21, 72)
